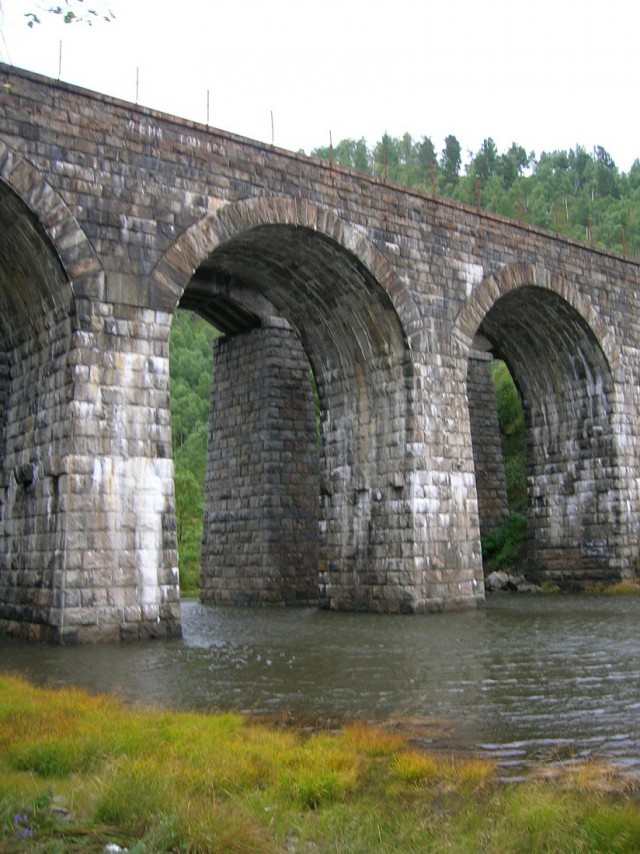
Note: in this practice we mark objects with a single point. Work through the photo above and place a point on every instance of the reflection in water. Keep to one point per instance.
(524, 678)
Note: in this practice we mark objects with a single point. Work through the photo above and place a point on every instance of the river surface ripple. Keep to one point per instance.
(525, 679)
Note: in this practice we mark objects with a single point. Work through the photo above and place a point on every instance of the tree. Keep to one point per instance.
(361, 156)
(634, 174)
(74, 12)
(576, 194)
(189, 505)
(426, 154)
(386, 156)
(451, 160)
(512, 164)
(350, 153)
(606, 174)
(579, 163)
(485, 164)
(513, 435)
(190, 366)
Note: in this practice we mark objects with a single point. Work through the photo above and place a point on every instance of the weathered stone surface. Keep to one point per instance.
(260, 542)
(111, 214)
(487, 450)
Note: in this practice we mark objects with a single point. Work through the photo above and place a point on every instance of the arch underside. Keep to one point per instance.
(35, 334)
(568, 395)
(354, 343)
(33, 283)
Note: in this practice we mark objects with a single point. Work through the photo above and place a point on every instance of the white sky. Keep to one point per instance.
(547, 74)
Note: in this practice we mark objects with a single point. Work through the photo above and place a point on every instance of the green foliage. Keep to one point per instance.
(512, 434)
(189, 510)
(350, 153)
(626, 587)
(191, 454)
(450, 163)
(74, 12)
(500, 548)
(190, 366)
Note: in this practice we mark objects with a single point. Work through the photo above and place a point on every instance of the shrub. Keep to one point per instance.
(500, 548)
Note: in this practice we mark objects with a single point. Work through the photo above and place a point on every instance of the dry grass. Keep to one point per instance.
(79, 771)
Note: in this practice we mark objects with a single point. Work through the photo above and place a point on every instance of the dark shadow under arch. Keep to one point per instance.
(37, 312)
(33, 282)
(569, 396)
(35, 216)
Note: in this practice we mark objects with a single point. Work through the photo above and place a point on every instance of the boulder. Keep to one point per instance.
(496, 581)
(499, 580)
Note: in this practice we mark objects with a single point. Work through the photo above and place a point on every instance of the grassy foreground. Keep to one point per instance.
(78, 772)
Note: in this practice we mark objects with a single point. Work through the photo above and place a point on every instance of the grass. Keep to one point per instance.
(626, 587)
(79, 771)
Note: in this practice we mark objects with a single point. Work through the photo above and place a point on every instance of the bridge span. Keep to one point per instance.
(395, 301)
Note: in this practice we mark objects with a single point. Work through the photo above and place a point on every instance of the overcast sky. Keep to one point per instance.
(547, 74)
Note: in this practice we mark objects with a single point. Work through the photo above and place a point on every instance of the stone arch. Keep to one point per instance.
(319, 278)
(568, 369)
(512, 278)
(55, 222)
(179, 263)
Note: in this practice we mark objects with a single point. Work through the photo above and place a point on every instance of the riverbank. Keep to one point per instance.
(80, 772)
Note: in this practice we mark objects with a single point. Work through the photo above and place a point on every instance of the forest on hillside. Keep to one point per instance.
(578, 194)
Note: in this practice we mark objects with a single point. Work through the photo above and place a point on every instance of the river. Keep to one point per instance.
(524, 679)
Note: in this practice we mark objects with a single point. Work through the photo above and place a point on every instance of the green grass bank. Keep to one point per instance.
(78, 772)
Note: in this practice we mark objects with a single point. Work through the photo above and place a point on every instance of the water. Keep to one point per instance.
(524, 679)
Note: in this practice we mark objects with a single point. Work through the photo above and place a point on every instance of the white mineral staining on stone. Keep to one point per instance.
(149, 503)
(471, 274)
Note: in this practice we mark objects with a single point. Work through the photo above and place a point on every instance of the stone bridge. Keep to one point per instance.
(393, 301)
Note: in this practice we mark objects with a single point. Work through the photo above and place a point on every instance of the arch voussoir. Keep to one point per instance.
(176, 267)
(63, 230)
(493, 288)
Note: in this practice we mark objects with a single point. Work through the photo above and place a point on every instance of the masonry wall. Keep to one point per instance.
(33, 482)
(372, 543)
(261, 526)
(493, 506)
(121, 578)
(575, 502)
(87, 530)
